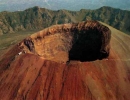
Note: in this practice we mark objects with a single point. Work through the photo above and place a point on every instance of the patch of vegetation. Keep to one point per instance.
(39, 18)
(7, 40)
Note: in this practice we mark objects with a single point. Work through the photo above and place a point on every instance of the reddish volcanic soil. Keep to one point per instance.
(36, 76)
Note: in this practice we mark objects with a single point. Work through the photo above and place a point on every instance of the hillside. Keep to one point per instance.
(38, 74)
(39, 18)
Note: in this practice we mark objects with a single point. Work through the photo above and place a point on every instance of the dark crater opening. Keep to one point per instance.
(87, 45)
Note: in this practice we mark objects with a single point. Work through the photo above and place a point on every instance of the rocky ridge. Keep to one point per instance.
(37, 18)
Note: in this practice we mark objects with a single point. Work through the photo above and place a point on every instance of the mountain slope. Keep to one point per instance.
(29, 76)
(39, 18)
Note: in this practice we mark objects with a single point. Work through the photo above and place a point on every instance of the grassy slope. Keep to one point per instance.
(39, 18)
(9, 40)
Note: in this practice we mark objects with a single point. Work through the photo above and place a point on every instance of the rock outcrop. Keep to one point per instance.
(85, 41)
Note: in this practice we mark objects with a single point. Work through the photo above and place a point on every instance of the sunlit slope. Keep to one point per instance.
(120, 43)
(30, 77)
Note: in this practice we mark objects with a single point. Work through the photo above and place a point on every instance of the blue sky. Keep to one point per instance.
(14, 5)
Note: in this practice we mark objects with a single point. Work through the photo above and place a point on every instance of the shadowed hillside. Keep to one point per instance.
(29, 75)
(39, 18)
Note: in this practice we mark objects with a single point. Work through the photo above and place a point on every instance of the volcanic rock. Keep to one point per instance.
(85, 41)
(38, 73)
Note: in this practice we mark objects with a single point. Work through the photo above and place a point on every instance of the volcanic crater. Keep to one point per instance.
(66, 62)
(85, 41)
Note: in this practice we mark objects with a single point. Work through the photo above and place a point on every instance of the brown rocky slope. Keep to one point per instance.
(54, 65)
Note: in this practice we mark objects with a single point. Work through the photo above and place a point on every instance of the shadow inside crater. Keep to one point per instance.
(87, 46)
